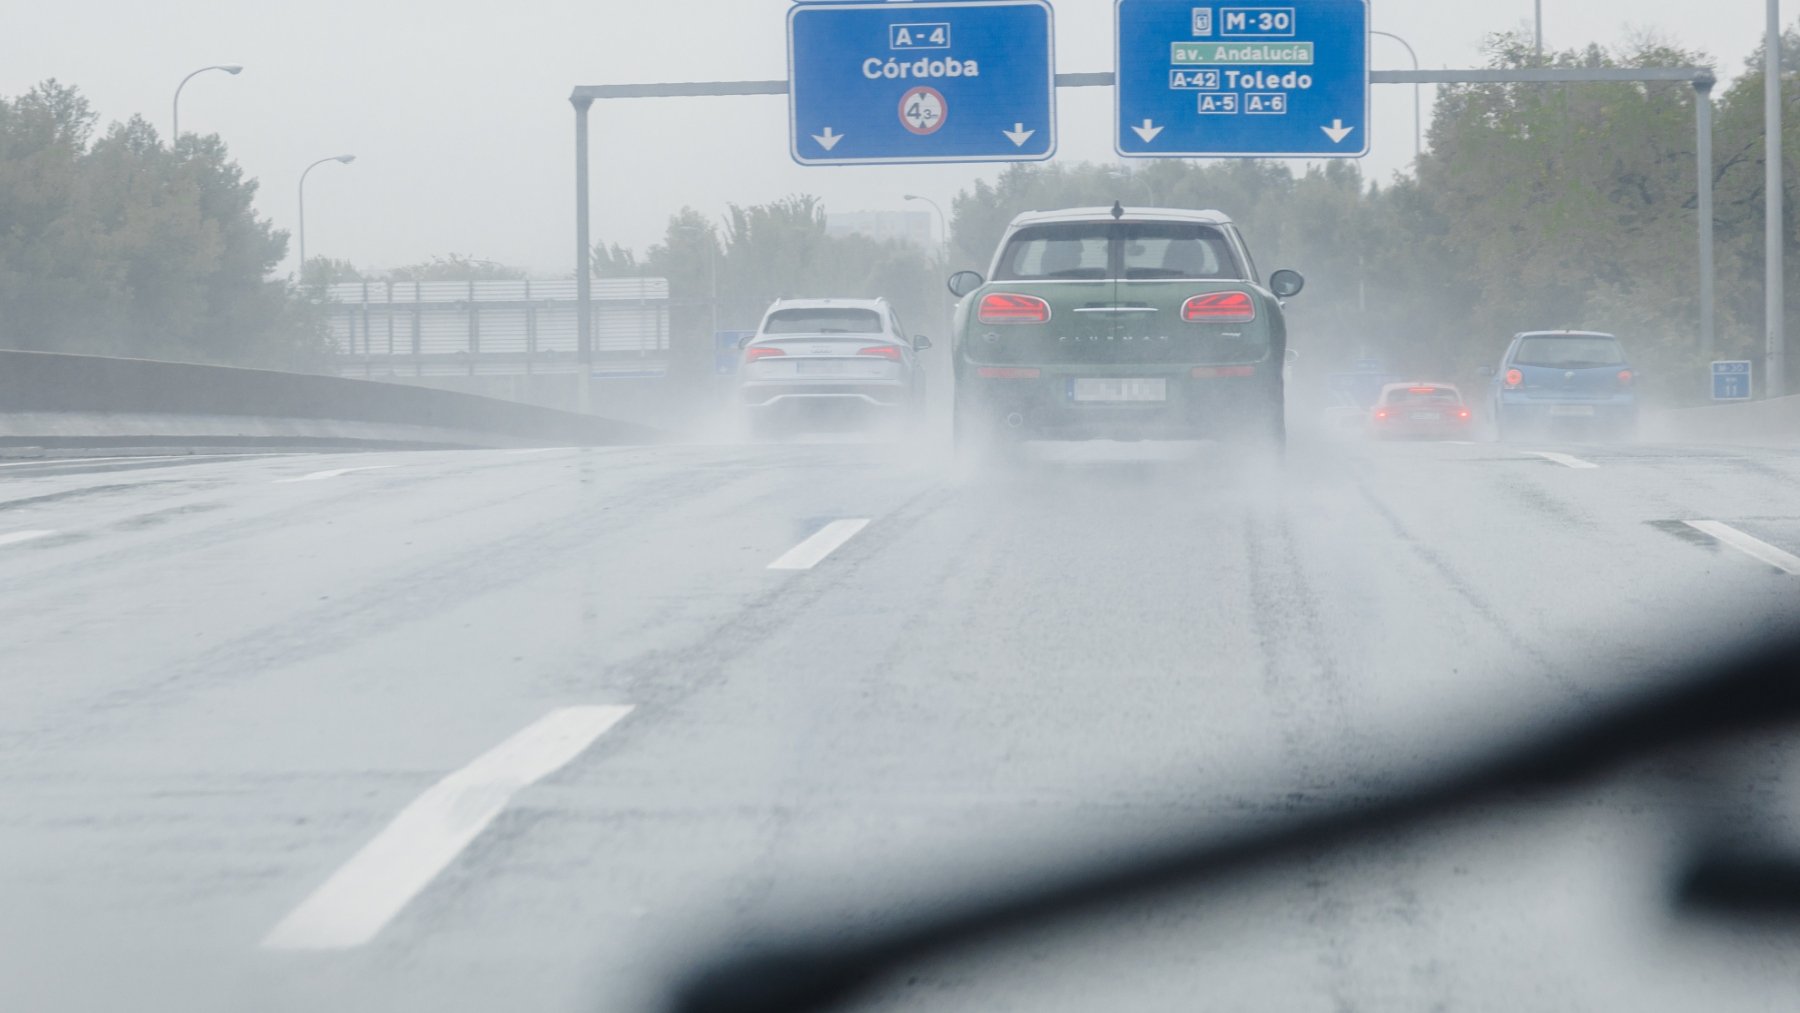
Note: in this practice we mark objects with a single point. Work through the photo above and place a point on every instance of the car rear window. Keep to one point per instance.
(823, 321)
(1569, 352)
(1152, 251)
(1134, 251)
(1057, 253)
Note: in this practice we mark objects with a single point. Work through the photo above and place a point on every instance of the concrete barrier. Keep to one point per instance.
(50, 399)
(1772, 423)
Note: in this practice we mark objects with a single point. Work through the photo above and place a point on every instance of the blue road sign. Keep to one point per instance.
(885, 83)
(1731, 381)
(1218, 80)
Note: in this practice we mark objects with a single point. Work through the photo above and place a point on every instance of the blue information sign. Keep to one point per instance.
(1214, 80)
(884, 83)
(1731, 381)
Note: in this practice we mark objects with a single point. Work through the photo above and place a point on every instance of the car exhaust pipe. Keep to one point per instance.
(1015, 421)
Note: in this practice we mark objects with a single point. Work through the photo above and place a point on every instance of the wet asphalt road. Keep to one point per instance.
(225, 678)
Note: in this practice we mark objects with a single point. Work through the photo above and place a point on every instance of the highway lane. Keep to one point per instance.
(226, 677)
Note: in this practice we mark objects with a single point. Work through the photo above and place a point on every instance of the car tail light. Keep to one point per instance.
(1382, 414)
(762, 352)
(1005, 308)
(889, 352)
(1009, 373)
(1220, 308)
(1215, 372)
(1625, 377)
(1464, 414)
(1423, 390)
(1514, 378)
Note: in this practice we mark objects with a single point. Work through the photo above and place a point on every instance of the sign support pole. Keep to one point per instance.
(584, 268)
(1703, 87)
(1775, 229)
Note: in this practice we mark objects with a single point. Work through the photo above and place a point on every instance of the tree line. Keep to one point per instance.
(116, 243)
(1535, 206)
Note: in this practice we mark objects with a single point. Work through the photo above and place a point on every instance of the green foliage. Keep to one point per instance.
(765, 252)
(123, 246)
(455, 267)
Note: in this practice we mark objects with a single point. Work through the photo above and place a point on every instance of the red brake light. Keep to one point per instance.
(1514, 378)
(1215, 372)
(1009, 373)
(1625, 377)
(1220, 308)
(890, 352)
(1463, 414)
(1381, 413)
(762, 352)
(1004, 308)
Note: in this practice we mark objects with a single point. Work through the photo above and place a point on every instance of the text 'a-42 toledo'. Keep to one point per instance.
(1215, 80)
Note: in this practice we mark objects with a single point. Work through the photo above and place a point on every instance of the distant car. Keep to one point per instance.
(849, 354)
(1103, 323)
(1578, 382)
(1420, 410)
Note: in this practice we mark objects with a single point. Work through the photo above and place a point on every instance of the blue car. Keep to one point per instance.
(1564, 382)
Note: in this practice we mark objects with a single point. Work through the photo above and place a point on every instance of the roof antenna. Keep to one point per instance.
(1118, 211)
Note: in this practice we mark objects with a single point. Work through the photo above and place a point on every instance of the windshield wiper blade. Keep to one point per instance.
(1756, 691)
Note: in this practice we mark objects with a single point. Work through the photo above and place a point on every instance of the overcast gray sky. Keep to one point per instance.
(458, 110)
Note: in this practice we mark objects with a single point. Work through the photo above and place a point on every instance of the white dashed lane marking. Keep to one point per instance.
(1564, 459)
(814, 550)
(320, 476)
(1749, 545)
(20, 537)
(353, 906)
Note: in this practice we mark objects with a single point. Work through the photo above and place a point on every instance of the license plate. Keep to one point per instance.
(826, 367)
(1427, 417)
(1119, 390)
(1572, 411)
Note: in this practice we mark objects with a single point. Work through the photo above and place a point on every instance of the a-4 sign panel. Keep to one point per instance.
(1199, 80)
(876, 83)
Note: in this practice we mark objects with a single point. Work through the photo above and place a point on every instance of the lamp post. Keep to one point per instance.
(346, 159)
(943, 248)
(943, 226)
(229, 68)
(1418, 130)
(1537, 34)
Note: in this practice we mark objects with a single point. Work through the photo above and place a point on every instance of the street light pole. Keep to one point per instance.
(1418, 130)
(229, 68)
(1538, 32)
(943, 227)
(345, 159)
(1775, 231)
(943, 250)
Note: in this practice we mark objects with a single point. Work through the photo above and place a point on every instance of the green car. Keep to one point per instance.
(1101, 323)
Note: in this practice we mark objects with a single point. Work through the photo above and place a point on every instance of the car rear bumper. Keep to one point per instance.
(1527, 411)
(1192, 406)
(879, 395)
(1448, 429)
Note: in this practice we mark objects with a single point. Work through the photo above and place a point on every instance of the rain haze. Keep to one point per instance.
(1241, 559)
(459, 117)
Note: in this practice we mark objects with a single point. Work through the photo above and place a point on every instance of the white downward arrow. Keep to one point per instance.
(828, 140)
(1148, 131)
(1337, 131)
(1018, 134)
